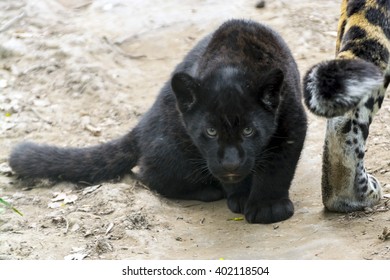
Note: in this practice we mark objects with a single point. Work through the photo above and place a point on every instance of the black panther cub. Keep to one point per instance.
(229, 124)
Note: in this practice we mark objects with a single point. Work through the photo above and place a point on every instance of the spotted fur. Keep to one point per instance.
(349, 90)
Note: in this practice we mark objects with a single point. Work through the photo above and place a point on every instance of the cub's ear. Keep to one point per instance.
(270, 88)
(185, 87)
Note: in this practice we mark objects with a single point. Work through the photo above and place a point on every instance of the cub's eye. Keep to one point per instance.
(247, 131)
(211, 132)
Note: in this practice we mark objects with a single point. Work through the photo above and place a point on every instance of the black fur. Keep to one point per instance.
(369, 50)
(379, 19)
(355, 6)
(230, 123)
(386, 81)
(355, 33)
(87, 165)
(384, 3)
(370, 104)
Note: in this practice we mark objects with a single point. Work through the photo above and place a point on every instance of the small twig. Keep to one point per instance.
(11, 22)
(66, 226)
(82, 6)
(385, 234)
(40, 117)
(119, 50)
(191, 205)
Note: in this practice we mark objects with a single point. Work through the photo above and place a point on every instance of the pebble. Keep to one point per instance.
(260, 4)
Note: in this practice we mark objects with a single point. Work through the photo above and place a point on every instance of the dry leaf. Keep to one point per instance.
(95, 131)
(109, 228)
(75, 257)
(5, 169)
(70, 199)
(54, 205)
(65, 198)
(59, 197)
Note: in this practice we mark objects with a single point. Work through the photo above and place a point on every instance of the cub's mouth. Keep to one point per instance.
(231, 178)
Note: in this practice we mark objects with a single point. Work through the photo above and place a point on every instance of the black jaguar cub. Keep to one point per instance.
(229, 124)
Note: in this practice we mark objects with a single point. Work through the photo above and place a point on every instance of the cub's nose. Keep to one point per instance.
(231, 159)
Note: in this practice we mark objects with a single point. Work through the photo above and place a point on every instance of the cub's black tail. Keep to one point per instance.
(334, 87)
(80, 165)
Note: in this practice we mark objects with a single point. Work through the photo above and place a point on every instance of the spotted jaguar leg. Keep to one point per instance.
(346, 185)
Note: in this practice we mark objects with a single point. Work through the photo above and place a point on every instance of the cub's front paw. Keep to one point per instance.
(237, 202)
(269, 211)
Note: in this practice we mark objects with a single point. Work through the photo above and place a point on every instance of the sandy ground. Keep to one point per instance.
(77, 73)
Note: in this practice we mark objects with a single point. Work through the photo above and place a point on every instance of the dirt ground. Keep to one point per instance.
(81, 72)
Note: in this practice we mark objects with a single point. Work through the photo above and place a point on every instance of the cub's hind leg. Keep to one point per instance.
(179, 181)
(177, 188)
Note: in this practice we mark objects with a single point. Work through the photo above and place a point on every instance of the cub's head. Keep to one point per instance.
(230, 116)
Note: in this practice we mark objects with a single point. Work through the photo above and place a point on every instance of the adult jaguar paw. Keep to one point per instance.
(269, 211)
(366, 193)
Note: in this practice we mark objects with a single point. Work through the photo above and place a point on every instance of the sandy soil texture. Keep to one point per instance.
(78, 73)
